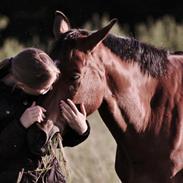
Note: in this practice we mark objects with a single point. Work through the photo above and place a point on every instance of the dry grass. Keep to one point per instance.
(93, 160)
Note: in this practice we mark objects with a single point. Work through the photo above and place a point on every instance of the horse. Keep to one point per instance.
(137, 89)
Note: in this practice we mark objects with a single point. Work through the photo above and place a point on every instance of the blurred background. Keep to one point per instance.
(26, 23)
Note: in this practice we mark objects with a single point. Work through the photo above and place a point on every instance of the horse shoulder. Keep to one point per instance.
(174, 85)
(176, 154)
(176, 61)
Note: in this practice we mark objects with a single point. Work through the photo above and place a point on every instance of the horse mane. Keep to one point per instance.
(177, 53)
(151, 60)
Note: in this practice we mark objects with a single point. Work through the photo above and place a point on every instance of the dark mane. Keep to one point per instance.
(151, 60)
(66, 40)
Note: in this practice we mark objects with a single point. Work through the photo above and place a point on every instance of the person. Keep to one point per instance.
(24, 143)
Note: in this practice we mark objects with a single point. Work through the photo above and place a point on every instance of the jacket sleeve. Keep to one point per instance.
(38, 139)
(72, 138)
(12, 139)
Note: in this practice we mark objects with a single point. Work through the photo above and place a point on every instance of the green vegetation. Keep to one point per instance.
(93, 160)
(164, 33)
(10, 48)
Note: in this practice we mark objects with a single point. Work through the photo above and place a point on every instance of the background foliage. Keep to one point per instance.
(27, 18)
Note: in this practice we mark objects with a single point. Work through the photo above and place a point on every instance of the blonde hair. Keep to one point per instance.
(34, 68)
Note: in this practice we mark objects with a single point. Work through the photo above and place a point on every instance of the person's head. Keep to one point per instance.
(34, 71)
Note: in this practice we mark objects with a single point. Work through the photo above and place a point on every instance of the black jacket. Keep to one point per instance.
(15, 148)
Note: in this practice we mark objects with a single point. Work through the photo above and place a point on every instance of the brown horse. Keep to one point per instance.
(138, 90)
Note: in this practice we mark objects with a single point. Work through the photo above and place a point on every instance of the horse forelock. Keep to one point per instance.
(67, 42)
(151, 60)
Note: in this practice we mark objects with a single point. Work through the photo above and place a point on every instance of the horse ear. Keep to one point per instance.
(91, 41)
(61, 24)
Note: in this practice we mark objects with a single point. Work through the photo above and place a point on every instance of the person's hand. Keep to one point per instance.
(75, 118)
(32, 114)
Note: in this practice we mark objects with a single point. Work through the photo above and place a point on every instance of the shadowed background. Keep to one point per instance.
(29, 23)
(32, 17)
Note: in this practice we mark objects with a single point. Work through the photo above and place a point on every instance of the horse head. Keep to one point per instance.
(82, 77)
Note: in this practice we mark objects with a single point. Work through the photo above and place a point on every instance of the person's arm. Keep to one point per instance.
(72, 138)
(77, 131)
(78, 128)
(38, 137)
(13, 136)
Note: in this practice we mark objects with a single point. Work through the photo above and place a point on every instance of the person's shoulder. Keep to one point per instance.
(5, 93)
(5, 108)
(4, 89)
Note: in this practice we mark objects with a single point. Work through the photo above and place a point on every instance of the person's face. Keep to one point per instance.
(39, 91)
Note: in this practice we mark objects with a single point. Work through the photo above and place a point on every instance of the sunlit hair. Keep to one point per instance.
(34, 68)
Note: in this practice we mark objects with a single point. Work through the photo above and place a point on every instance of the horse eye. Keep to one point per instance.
(75, 77)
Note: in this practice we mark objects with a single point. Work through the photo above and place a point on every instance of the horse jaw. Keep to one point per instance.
(91, 104)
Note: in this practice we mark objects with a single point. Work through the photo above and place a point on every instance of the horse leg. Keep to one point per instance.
(123, 165)
(129, 172)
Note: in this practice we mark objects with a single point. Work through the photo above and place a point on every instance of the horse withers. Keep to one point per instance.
(138, 91)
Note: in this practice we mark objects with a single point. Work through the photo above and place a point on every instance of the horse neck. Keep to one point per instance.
(128, 92)
(51, 104)
(123, 75)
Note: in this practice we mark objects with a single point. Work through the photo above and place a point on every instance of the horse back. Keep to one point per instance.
(175, 65)
(177, 53)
